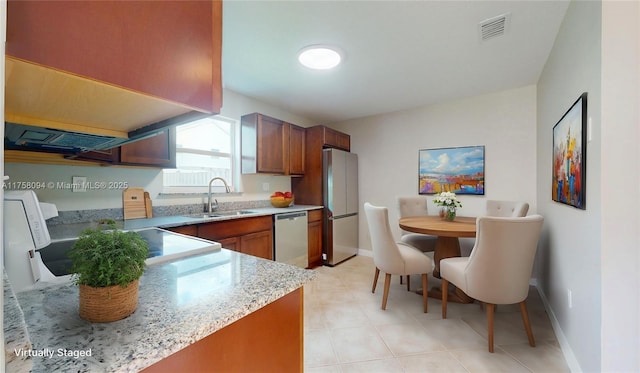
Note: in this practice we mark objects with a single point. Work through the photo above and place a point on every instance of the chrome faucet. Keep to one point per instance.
(226, 188)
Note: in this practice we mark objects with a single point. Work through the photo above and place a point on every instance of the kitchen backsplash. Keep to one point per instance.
(87, 216)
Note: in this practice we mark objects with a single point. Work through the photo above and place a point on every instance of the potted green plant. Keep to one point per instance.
(106, 264)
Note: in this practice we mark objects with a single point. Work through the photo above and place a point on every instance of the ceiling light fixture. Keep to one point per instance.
(319, 57)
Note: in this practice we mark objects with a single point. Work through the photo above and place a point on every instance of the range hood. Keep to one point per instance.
(54, 111)
(29, 137)
(26, 137)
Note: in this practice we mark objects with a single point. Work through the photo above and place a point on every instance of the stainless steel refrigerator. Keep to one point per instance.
(340, 189)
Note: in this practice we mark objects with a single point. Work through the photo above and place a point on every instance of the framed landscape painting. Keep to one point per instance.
(459, 170)
(569, 155)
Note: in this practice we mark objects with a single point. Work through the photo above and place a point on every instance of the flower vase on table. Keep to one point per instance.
(449, 205)
(448, 213)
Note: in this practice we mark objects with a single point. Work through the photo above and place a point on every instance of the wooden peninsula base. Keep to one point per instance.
(267, 340)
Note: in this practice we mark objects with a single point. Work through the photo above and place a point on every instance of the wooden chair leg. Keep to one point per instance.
(445, 295)
(375, 280)
(400, 280)
(490, 309)
(425, 296)
(387, 283)
(527, 324)
(408, 283)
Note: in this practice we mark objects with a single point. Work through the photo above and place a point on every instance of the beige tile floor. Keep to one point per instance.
(346, 331)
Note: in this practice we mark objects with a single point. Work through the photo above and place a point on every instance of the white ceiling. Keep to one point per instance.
(399, 54)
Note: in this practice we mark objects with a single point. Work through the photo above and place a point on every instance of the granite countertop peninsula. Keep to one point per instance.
(73, 230)
(16, 337)
(180, 303)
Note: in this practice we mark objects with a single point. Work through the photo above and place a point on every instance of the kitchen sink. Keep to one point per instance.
(224, 213)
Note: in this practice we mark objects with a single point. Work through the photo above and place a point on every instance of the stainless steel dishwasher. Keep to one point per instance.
(290, 238)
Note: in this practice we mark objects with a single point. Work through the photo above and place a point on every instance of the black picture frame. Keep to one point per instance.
(569, 159)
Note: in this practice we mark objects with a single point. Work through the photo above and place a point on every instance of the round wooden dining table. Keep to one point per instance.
(447, 243)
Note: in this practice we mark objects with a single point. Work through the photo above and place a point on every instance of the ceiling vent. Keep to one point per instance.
(494, 27)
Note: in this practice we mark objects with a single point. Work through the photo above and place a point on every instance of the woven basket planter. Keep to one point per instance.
(109, 303)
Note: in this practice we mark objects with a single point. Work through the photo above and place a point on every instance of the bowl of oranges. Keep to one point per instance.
(281, 199)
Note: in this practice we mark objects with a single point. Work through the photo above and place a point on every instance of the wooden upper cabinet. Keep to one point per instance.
(335, 139)
(156, 151)
(271, 141)
(308, 189)
(297, 147)
(165, 49)
(271, 146)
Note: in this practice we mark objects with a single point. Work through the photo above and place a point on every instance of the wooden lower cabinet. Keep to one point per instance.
(189, 230)
(315, 238)
(231, 243)
(258, 244)
(253, 236)
(267, 340)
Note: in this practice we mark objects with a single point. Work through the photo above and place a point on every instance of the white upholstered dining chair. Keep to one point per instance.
(499, 209)
(393, 258)
(506, 208)
(416, 206)
(499, 267)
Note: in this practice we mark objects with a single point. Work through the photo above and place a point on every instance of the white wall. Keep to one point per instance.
(620, 183)
(3, 32)
(570, 253)
(594, 253)
(387, 147)
(234, 106)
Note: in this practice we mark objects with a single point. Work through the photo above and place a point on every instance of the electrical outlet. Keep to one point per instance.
(570, 298)
(78, 184)
(266, 187)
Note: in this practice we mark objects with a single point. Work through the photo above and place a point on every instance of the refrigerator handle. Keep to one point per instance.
(334, 218)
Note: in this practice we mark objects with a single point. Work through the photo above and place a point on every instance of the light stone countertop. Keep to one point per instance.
(66, 231)
(16, 337)
(180, 303)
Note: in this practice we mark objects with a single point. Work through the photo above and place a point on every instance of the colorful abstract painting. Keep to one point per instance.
(458, 170)
(569, 161)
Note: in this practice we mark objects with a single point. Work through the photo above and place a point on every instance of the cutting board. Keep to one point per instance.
(147, 205)
(133, 203)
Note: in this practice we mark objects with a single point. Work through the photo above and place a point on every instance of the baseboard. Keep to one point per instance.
(364, 252)
(569, 356)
